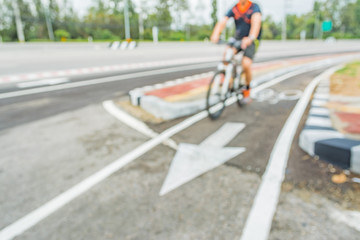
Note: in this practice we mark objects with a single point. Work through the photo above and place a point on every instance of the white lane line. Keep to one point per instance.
(224, 135)
(258, 224)
(58, 202)
(42, 82)
(134, 123)
(102, 80)
(350, 218)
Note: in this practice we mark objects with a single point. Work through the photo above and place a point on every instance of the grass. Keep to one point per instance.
(346, 81)
(351, 69)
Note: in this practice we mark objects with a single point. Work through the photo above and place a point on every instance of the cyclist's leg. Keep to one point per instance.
(246, 64)
(247, 61)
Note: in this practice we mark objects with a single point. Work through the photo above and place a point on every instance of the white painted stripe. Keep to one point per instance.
(42, 82)
(259, 222)
(58, 202)
(356, 180)
(224, 135)
(60, 73)
(319, 111)
(350, 218)
(355, 160)
(134, 123)
(318, 103)
(323, 91)
(101, 81)
(324, 84)
(15, 78)
(175, 82)
(158, 86)
(31, 76)
(309, 137)
(318, 122)
(305, 69)
(52, 206)
(148, 88)
(322, 96)
(46, 75)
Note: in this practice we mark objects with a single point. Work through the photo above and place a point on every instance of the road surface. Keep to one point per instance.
(51, 141)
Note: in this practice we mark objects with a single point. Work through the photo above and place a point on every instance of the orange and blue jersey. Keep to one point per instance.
(242, 17)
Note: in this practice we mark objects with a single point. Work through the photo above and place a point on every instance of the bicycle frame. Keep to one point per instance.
(233, 71)
(224, 84)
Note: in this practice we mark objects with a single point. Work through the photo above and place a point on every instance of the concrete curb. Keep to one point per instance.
(137, 95)
(167, 110)
(319, 138)
(171, 110)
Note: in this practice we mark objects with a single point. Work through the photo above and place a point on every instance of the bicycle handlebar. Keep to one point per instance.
(233, 42)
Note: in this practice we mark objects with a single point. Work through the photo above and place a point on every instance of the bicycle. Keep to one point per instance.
(225, 83)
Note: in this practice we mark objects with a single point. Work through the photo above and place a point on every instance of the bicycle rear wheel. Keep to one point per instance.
(215, 101)
(240, 96)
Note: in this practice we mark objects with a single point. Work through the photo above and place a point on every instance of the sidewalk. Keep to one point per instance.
(332, 130)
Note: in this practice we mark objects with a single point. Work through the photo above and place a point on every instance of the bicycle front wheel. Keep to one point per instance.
(215, 100)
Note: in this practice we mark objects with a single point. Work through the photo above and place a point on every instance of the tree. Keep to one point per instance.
(161, 18)
(179, 6)
(348, 21)
(357, 16)
(214, 12)
(7, 22)
(270, 29)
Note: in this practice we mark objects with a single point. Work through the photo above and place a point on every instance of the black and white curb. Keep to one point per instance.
(125, 45)
(319, 138)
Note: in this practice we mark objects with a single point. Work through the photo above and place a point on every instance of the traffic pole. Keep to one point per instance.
(284, 23)
(48, 23)
(127, 22)
(19, 25)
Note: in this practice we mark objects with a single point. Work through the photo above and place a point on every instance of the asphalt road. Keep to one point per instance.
(35, 57)
(51, 141)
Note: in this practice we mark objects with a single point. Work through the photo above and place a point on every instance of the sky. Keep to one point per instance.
(274, 8)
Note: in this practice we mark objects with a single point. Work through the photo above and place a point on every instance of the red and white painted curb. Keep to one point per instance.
(319, 138)
(137, 93)
(103, 69)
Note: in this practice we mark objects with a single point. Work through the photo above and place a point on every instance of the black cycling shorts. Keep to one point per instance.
(249, 51)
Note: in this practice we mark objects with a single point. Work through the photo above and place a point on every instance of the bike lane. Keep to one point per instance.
(215, 205)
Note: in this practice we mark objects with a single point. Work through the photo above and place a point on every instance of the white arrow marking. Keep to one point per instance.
(192, 161)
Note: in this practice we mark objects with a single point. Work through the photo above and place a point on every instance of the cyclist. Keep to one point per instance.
(247, 17)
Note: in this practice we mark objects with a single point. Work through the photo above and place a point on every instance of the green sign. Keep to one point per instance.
(326, 26)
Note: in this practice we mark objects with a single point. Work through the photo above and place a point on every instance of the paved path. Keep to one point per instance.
(67, 136)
